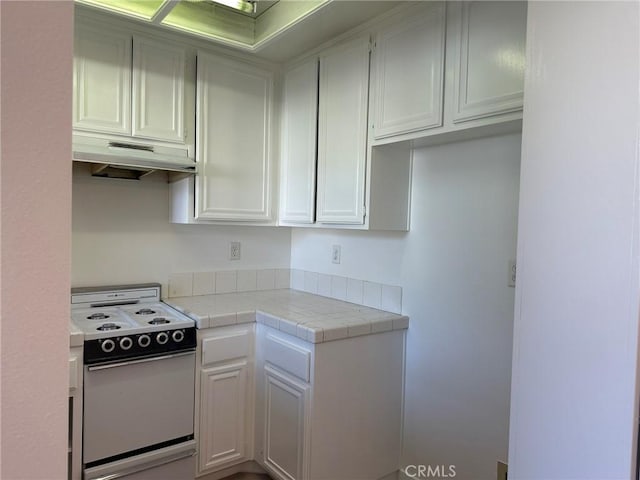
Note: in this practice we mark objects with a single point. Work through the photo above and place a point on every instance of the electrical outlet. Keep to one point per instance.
(502, 471)
(234, 251)
(335, 254)
(512, 273)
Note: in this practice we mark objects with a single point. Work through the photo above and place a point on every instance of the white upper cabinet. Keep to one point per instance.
(158, 90)
(342, 132)
(407, 74)
(102, 81)
(445, 71)
(299, 130)
(351, 185)
(132, 86)
(234, 118)
(489, 58)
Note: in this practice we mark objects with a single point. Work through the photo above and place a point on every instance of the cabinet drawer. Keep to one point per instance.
(288, 357)
(226, 346)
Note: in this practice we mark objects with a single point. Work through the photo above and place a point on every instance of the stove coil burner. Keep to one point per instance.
(98, 316)
(159, 321)
(105, 327)
(145, 311)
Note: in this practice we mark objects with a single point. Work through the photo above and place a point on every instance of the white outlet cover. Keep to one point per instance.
(234, 251)
(336, 254)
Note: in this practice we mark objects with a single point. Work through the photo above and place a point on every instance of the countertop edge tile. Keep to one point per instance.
(222, 320)
(76, 337)
(324, 319)
(401, 323)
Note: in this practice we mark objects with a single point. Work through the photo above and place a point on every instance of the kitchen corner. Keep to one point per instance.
(302, 235)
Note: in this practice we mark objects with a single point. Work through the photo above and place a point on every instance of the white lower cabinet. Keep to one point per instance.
(224, 406)
(330, 410)
(74, 469)
(285, 427)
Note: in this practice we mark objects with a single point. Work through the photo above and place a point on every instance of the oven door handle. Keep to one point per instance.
(146, 466)
(94, 368)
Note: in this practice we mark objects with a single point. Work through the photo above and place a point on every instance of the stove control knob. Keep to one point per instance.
(126, 343)
(178, 336)
(108, 345)
(162, 338)
(144, 340)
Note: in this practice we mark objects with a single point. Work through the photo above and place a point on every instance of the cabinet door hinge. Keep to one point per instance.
(364, 211)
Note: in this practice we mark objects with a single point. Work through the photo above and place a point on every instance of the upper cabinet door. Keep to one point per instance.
(342, 129)
(234, 110)
(102, 81)
(299, 128)
(408, 64)
(489, 75)
(158, 90)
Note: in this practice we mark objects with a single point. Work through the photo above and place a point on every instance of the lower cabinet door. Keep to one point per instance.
(286, 425)
(223, 410)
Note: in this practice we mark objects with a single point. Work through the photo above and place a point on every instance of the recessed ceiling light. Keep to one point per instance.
(246, 6)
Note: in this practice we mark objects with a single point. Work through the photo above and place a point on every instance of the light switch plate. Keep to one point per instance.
(512, 273)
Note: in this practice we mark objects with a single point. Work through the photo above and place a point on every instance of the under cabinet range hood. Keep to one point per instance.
(125, 160)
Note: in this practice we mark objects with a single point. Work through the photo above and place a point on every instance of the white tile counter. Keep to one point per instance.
(76, 337)
(313, 318)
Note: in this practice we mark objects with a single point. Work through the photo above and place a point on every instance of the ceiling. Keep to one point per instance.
(276, 31)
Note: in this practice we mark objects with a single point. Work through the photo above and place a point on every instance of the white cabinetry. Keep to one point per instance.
(333, 396)
(285, 428)
(75, 414)
(488, 58)
(102, 80)
(132, 87)
(299, 130)
(224, 391)
(407, 81)
(342, 128)
(477, 91)
(357, 187)
(234, 118)
(158, 90)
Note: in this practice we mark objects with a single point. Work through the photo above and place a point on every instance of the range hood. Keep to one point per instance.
(114, 159)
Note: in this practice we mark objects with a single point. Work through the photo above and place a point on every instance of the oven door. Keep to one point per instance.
(133, 407)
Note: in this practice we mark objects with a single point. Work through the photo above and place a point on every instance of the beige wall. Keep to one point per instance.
(36, 41)
(122, 234)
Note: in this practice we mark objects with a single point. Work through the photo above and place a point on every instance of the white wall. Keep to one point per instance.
(574, 407)
(35, 218)
(122, 234)
(453, 267)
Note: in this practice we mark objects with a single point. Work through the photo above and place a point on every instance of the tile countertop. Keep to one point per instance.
(76, 337)
(313, 318)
